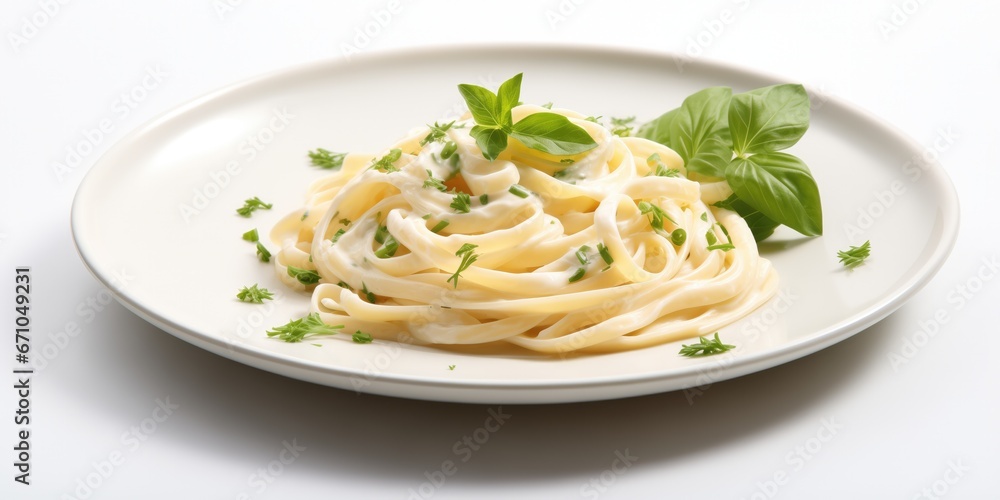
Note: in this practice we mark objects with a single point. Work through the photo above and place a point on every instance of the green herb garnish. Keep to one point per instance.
(251, 236)
(388, 249)
(304, 276)
(547, 132)
(519, 190)
(369, 296)
(656, 215)
(298, 329)
(336, 236)
(705, 347)
(432, 182)
(855, 256)
(738, 138)
(622, 126)
(605, 254)
(360, 337)
(461, 203)
(254, 294)
(437, 133)
(713, 241)
(578, 275)
(484, 199)
(581, 255)
(252, 204)
(262, 253)
(327, 159)
(385, 163)
(659, 168)
(439, 226)
(468, 257)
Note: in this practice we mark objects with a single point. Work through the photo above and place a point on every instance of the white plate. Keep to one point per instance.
(184, 271)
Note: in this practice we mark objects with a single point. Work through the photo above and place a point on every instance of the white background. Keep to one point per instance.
(901, 430)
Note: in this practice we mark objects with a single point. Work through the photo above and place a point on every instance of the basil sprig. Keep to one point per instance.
(547, 132)
(738, 138)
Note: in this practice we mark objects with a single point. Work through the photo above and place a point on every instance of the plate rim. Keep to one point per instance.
(289, 366)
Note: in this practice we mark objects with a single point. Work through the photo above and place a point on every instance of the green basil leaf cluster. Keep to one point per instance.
(547, 132)
(739, 138)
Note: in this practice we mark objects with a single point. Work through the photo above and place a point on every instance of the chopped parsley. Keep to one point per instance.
(327, 159)
(385, 163)
(705, 347)
(252, 204)
(461, 203)
(360, 337)
(336, 236)
(468, 257)
(298, 329)
(622, 126)
(254, 294)
(855, 256)
(433, 182)
(304, 276)
(659, 168)
(437, 133)
(656, 214)
(369, 296)
(388, 249)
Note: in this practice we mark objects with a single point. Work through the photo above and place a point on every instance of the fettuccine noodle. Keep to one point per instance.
(528, 249)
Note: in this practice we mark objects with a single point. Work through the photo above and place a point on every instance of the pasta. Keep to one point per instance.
(591, 252)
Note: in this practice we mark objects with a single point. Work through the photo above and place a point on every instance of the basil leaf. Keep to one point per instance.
(482, 104)
(492, 141)
(768, 119)
(658, 130)
(713, 156)
(760, 225)
(508, 95)
(781, 187)
(701, 116)
(553, 134)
